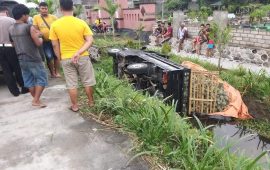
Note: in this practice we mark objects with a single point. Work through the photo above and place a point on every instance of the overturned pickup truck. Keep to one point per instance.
(154, 73)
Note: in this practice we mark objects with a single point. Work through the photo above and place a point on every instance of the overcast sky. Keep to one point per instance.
(21, 1)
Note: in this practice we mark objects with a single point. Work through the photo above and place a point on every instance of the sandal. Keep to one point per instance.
(73, 110)
(41, 105)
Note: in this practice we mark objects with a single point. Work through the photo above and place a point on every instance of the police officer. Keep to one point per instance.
(8, 58)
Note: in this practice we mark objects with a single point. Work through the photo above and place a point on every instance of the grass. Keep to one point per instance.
(159, 131)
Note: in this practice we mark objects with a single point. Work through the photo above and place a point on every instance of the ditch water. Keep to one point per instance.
(244, 141)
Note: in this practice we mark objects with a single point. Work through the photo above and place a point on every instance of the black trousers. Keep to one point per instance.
(11, 69)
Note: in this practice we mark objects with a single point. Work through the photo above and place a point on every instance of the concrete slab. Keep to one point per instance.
(54, 138)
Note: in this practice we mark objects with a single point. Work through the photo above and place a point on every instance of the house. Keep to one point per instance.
(130, 14)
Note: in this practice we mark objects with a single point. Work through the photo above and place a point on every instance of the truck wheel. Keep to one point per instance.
(138, 68)
(113, 51)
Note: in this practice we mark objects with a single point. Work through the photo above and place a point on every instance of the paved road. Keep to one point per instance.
(55, 138)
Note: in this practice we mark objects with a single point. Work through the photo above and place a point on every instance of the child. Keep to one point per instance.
(210, 48)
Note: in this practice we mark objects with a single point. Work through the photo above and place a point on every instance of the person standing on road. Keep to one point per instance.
(70, 45)
(43, 22)
(8, 57)
(26, 39)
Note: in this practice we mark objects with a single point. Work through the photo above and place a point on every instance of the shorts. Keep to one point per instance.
(34, 74)
(48, 51)
(83, 70)
(210, 46)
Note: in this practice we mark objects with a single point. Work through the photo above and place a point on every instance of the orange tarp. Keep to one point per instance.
(236, 107)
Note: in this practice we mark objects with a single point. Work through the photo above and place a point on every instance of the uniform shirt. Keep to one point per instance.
(70, 32)
(5, 23)
(38, 22)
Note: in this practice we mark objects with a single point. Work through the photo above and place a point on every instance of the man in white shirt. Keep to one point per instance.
(181, 36)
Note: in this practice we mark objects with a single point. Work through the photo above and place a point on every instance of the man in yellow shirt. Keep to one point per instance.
(43, 22)
(71, 38)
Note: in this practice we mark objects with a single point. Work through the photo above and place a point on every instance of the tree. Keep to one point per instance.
(221, 37)
(111, 9)
(78, 9)
(172, 5)
(139, 33)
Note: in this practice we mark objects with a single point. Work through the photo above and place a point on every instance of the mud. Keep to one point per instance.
(257, 108)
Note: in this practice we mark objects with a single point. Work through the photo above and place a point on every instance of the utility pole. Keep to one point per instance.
(162, 10)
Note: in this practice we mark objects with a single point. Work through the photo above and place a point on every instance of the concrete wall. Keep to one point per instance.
(246, 46)
(257, 39)
(251, 38)
(127, 18)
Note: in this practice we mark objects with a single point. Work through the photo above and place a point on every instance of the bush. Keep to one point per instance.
(166, 48)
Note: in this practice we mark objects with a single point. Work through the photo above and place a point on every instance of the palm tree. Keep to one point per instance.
(110, 8)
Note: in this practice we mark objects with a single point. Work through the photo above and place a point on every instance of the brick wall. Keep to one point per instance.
(243, 37)
(250, 38)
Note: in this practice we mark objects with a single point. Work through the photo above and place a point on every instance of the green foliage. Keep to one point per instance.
(166, 48)
(259, 13)
(132, 44)
(139, 32)
(33, 12)
(202, 14)
(247, 82)
(172, 5)
(192, 14)
(221, 37)
(232, 8)
(259, 126)
(78, 9)
(207, 10)
(110, 8)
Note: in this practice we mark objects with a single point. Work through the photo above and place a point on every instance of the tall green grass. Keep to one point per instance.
(160, 130)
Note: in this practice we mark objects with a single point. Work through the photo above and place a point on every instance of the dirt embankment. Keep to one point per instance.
(257, 108)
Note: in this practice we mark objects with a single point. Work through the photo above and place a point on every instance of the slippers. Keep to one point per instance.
(56, 76)
(41, 105)
(73, 110)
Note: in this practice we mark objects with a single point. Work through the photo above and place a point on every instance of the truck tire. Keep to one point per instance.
(138, 68)
(113, 52)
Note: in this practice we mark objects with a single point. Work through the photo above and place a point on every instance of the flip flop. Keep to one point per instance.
(58, 76)
(73, 110)
(41, 105)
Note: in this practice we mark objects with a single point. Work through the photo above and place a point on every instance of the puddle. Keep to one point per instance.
(245, 142)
